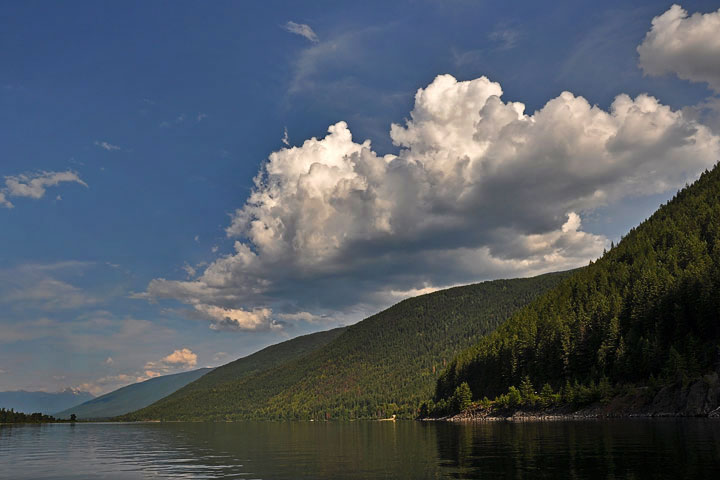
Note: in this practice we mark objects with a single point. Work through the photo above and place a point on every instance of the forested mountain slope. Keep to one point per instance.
(132, 397)
(647, 312)
(386, 364)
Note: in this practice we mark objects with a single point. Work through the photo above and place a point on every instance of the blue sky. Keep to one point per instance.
(140, 259)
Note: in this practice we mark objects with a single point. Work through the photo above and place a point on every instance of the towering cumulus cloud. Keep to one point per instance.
(479, 189)
(688, 46)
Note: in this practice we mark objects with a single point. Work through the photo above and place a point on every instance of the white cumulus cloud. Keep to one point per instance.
(686, 45)
(181, 359)
(479, 189)
(236, 318)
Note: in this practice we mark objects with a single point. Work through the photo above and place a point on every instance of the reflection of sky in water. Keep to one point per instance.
(363, 450)
(110, 451)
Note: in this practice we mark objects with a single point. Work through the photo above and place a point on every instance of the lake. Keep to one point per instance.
(631, 449)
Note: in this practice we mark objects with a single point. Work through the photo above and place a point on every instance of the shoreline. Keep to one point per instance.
(593, 412)
(695, 398)
(527, 417)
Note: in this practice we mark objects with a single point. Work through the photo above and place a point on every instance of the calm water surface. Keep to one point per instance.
(631, 449)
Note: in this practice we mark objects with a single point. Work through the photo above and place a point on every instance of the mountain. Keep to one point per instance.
(43, 402)
(132, 397)
(646, 315)
(383, 365)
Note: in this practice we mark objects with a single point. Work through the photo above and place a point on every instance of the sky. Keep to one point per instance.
(184, 183)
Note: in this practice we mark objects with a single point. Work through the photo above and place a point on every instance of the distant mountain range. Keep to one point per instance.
(43, 402)
(384, 365)
(131, 397)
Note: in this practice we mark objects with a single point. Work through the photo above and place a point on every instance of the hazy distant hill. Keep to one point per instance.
(386, 364)
(132, 397)
(645, 314)
(43, 402)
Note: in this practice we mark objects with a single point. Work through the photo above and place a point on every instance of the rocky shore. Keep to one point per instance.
(698, 398)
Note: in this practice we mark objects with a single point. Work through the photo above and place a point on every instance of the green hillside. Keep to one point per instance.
(386, 364)
(132, 397)
(646, 313)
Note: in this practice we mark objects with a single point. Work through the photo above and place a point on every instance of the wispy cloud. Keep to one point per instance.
(304, 317)
(34, 185)
(303, 30)
(594, 54)
(504, 38)
(330, 71)
(189, 270)
(37, 286)
(177, 121)
(107, 146)
(501, 39)
(285, 140)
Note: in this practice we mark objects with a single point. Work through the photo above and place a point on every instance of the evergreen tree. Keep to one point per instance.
(462, 398)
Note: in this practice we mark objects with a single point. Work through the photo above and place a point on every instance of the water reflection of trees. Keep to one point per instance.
(581, 449)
